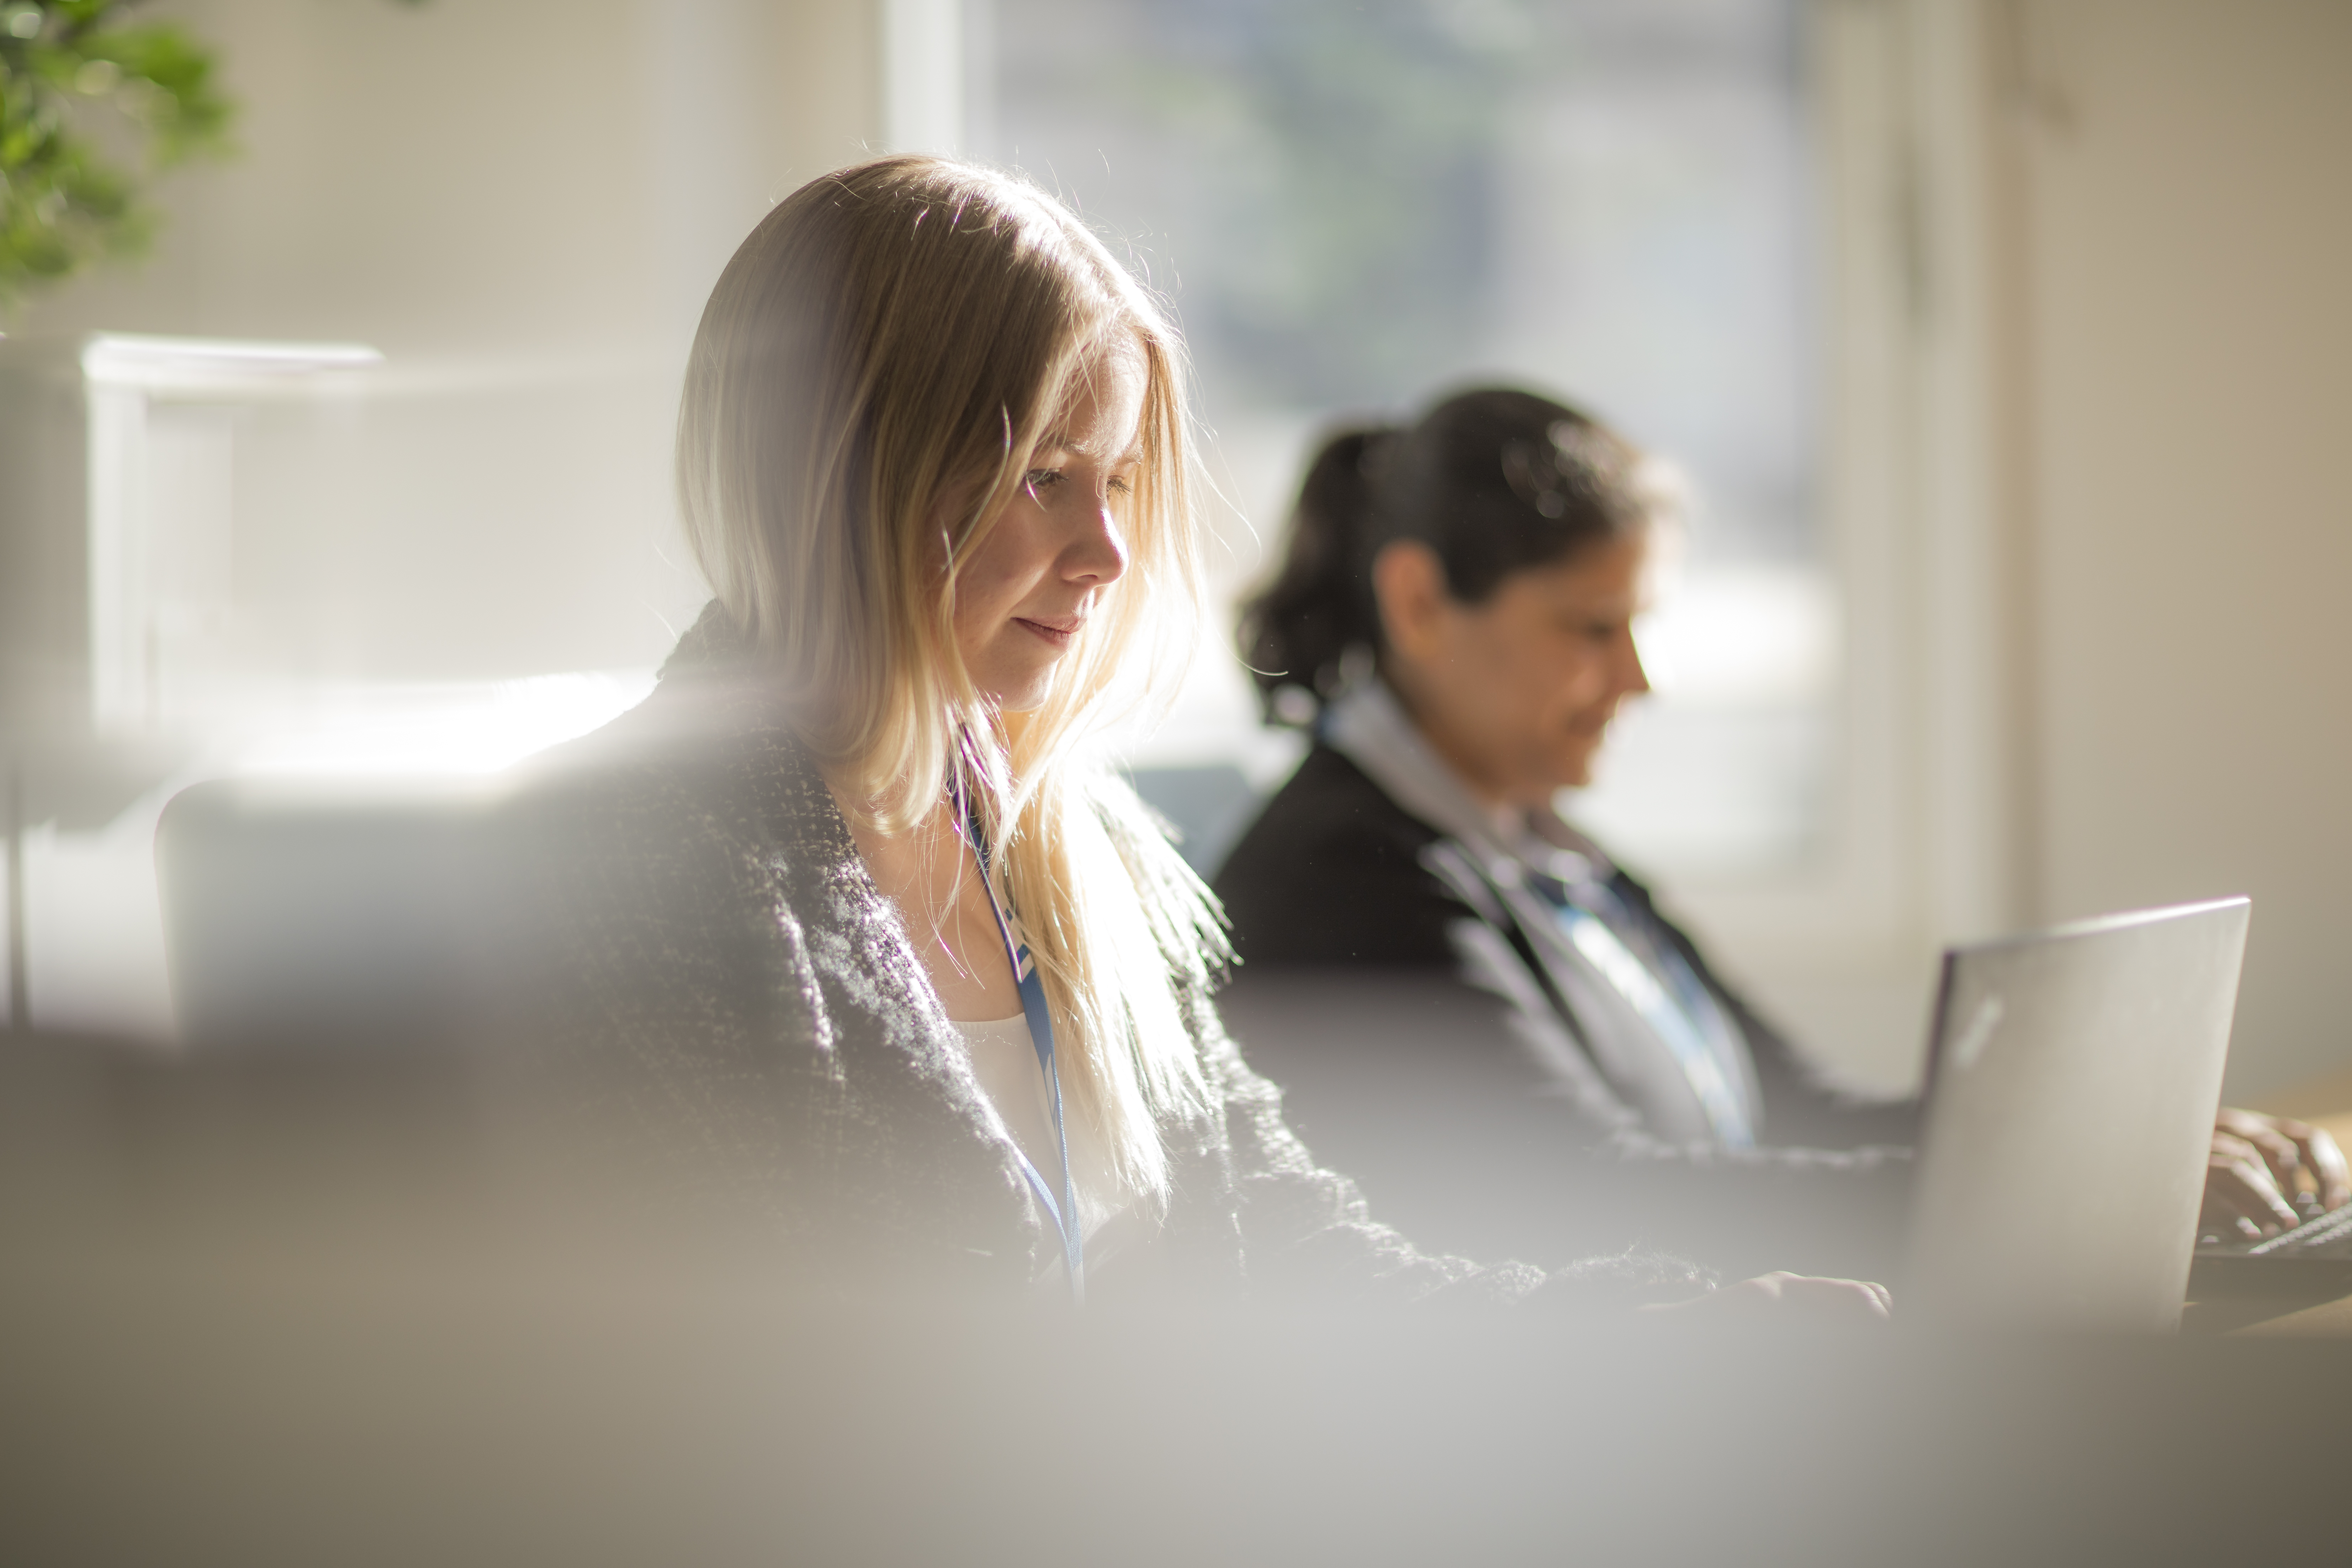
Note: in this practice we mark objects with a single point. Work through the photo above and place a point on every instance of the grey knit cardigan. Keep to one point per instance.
(739, 1010)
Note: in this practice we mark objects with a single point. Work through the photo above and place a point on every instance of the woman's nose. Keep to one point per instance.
(1099, 555)
(1635, 679)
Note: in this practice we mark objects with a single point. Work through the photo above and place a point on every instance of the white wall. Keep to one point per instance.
(523, 205)
(2186, 262)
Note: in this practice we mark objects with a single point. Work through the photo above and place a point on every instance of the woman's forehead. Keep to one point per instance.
(1102, 404)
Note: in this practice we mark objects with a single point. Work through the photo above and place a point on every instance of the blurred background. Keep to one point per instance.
(1999, 341)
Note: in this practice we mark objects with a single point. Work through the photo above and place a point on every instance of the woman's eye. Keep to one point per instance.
(1041, 479)
(1119, 484)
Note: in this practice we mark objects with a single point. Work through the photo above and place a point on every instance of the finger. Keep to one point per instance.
(2244, 1185)
(1873, 1298)
(2252, 1180)
(2238, 1183)
(2334, 1172)
(2229, 1148)
(2222, 1222)
(2315, 1152)
(2231, 1120)
(2226, 1190)
(2281, 1153)
(2220, 1218)
(2323, 1158)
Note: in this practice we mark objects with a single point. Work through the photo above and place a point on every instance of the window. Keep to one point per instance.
(1352, 204)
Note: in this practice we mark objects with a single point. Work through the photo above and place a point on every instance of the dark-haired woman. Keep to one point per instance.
(1471, 1007)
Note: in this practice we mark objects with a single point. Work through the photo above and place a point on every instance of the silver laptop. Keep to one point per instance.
(2073, 1076)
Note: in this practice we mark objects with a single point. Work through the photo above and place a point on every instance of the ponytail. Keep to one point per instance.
(1296, 633)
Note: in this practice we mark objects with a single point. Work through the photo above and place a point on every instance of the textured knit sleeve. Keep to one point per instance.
(723, 1036)
(1307, 1230)
(679, 1040)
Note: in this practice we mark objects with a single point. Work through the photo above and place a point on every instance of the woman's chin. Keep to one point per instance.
(1572, 772)
(1018, 696)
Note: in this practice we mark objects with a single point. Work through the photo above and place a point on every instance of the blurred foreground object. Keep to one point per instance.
(65, 204)
(286, 1309)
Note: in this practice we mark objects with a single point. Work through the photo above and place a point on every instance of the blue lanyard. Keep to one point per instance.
(1025, 974)
(1673, 1010)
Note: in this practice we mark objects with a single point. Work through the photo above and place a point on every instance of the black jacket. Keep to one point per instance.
(1353, 993)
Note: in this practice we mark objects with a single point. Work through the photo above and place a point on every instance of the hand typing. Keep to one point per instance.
(2260, 1166)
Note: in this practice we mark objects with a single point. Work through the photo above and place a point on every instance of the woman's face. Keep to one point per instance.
(1027, 588)
(1516, 692)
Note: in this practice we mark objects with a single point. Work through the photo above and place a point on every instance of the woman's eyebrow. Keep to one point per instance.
(1058, 441)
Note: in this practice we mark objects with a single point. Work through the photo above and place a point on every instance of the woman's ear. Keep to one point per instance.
(1409, 585)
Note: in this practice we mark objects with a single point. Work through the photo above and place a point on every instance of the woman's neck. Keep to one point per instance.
(1447, 747)
(928, 872)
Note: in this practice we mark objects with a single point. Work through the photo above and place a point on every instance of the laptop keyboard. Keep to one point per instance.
(2327, 1235)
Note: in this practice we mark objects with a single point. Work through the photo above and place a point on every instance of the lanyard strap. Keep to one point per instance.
(1065, 1213)
(1673, 1016)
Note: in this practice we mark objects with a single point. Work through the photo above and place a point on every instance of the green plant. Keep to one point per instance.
(92, 109)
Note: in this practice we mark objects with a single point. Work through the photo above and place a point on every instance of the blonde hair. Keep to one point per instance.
(870, 377)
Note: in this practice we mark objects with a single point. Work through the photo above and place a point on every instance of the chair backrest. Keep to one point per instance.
(300, 914)
(1209, 805)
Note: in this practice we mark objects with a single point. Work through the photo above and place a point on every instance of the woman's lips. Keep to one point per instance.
(1058, 632)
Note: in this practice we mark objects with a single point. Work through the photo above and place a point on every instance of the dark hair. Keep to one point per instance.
(1493, 480)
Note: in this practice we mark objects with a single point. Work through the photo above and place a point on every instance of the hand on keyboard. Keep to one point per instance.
(2260, 1165)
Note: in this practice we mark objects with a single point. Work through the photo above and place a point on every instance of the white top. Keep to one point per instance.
(1004, 1061)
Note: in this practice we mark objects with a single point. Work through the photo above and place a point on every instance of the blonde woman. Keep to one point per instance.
(861, 943)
